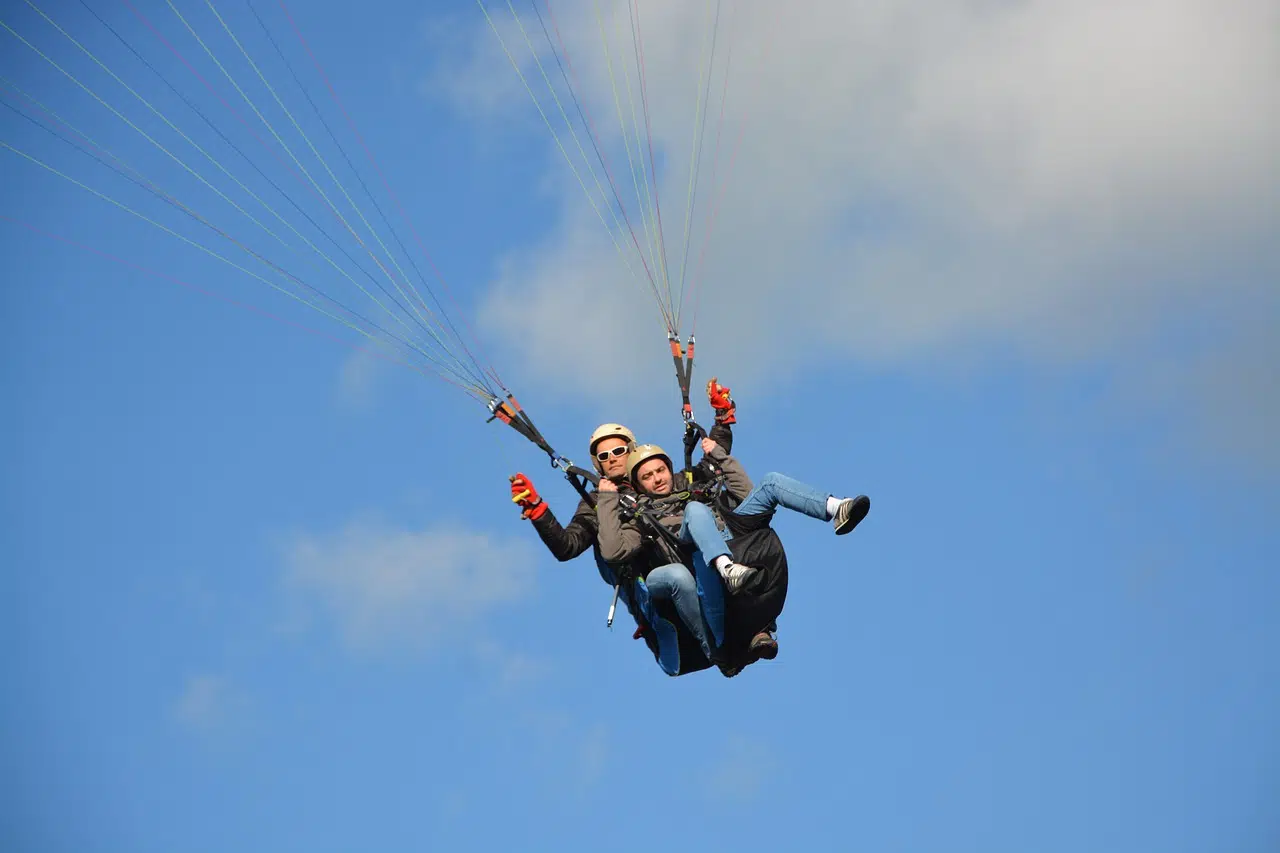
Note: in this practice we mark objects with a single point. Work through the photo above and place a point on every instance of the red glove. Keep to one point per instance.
(718, 397)
(523, 493)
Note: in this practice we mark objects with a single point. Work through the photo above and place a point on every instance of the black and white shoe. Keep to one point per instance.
(850, 513)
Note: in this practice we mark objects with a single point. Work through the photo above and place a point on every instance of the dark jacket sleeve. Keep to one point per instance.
(736, 479)
(573, 539)
(722, 434)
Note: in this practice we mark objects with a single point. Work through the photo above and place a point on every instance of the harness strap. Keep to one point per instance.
(509, 412)
(649, 508)
(579, 478)
(684, 370)
(693, 433)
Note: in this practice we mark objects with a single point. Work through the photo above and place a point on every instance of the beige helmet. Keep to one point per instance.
(609, 431)
(642, 454)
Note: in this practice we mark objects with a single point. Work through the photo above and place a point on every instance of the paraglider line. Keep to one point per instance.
(412, 229)
(569, 160)
(151, 187)
(586, 119)
(444, 348)
(307, 139)
(697, 163)
(714, 212)
(653, 169)
(646, 217)
(227, 299)
(574, 134)
(315, 109)
(246, 158)
(144, 134)
(230, 263)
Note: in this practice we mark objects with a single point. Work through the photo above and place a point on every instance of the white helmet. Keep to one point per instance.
(609, 431)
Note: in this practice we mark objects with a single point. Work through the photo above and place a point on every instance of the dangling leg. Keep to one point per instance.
(778, 490)
(675, 582)
(699, 529)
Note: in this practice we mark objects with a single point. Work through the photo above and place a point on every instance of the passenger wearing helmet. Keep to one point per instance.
(739, 525)
(649, 471)
(668, 573)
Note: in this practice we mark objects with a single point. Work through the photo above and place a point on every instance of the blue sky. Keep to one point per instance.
(267, 592)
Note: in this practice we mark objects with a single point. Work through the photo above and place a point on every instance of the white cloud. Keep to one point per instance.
(356, 378)
(575, 750)
(925, 182)
(740, 771)
(512, 668)
(592, 758)
(209, 702)
(390, 588)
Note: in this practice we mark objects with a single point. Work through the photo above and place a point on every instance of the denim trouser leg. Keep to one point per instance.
(699, 529)
(675, 582)
(777, 490)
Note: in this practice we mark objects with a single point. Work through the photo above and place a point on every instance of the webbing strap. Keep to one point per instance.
(510, 413)
(693, 433)
(684, 370)
(576, 477)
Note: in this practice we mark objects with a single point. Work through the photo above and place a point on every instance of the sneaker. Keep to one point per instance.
(764, 646)
(850, 512)
(736, 575)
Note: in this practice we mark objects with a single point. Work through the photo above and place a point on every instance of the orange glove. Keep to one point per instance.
(523, 493)
(721, 402)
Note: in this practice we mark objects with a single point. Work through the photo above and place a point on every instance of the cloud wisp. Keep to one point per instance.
(210, 703)
(386, 588)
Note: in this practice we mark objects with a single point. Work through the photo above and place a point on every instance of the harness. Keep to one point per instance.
(648, 511)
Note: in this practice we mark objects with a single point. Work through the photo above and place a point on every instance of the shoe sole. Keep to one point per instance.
(765, 651)
(861, 506)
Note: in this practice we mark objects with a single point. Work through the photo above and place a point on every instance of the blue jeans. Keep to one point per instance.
(779, 490)
(676, 583)
(699, 529)
(775, 490)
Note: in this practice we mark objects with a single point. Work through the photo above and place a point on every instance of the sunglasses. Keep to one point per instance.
(606, 455)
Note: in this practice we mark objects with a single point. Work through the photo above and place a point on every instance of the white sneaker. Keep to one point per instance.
(736, 575)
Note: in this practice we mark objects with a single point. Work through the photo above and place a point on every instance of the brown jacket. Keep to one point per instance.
(623, 539)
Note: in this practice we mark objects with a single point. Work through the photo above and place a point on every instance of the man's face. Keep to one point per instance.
(654, 477)
(611, 453)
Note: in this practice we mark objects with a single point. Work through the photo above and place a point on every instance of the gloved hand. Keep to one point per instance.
(523, 493)
(718, 396)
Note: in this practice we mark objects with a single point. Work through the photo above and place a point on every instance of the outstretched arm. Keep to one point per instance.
(571, 540)
(564, 542)
(722, 434)
(726, 414)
